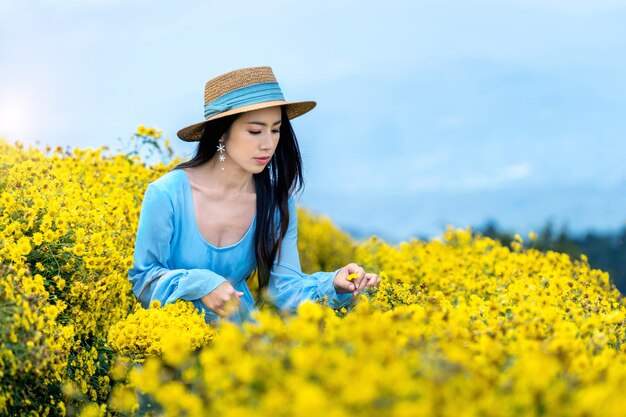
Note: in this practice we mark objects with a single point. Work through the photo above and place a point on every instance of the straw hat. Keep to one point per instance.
(239, 91)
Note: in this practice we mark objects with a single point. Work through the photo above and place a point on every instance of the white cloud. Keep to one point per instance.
(472, 181)
(491, 181)
(517, 171)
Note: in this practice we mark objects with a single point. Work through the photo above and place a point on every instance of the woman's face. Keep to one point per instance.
(252, 139)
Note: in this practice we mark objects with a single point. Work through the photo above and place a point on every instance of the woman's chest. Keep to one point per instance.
(223, 220)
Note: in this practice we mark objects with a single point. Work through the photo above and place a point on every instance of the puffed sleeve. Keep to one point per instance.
(288, 286)
(151, 276)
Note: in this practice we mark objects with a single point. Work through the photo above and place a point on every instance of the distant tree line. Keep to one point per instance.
(604, 251)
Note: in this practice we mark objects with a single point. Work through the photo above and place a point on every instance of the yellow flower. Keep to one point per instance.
(79, 249)
(38, 238)
(49, 235)
(23, 246)
(352, 277)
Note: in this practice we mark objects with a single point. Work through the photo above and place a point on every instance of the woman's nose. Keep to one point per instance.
(266, 141)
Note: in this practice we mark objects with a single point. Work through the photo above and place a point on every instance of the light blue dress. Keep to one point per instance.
(172, 260)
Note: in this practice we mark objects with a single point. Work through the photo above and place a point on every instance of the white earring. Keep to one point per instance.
(221, 150)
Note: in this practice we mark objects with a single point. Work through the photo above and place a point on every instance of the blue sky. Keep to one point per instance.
(429, 112)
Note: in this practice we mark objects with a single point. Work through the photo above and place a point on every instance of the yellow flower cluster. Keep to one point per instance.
(67, 227)
(144, 144)
(170, 331)
(460, 325)
(33, 347)
(149, 131)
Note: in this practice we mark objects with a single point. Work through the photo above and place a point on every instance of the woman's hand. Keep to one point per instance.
(223, 300)
(362, 282)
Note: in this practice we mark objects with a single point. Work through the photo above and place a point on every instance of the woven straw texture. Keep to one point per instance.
(236, 79)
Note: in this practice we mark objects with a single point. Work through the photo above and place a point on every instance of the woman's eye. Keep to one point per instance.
(258, 132)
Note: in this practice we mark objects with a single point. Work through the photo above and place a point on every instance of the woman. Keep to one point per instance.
(207, 224)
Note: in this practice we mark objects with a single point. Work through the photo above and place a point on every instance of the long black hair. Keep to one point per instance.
(278, 180)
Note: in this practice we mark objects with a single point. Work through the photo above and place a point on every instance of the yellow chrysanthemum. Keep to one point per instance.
(352, 277)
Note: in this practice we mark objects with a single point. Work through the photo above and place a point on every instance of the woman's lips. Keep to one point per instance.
(262, 160)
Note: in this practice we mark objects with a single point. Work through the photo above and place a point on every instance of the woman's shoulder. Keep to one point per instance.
(170, 181)
(168, 187)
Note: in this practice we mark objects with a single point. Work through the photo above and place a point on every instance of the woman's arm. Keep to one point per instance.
(289, 286)
(151, 276)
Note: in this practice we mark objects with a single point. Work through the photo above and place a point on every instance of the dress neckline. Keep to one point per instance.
(194, 225)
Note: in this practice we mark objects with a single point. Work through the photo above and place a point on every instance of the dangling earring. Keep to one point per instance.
(221, 149)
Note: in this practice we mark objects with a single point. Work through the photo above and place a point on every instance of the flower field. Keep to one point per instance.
(459, 326)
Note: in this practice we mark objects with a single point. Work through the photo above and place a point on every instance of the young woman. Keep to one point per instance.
(205, 226)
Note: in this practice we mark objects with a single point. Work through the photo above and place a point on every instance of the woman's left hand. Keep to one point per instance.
(362, 282)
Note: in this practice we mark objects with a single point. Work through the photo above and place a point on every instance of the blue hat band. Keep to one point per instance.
(244, 96)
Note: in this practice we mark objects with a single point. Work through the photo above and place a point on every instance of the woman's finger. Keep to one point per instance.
(341, 283)
(372, 280)
(360, 281)
(346, 285)
(351, 267)
(231, 305)
(364, 283)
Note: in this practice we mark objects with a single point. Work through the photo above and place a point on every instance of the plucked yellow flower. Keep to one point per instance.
(352, 277)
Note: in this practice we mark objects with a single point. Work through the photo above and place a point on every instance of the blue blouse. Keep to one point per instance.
(172, 260)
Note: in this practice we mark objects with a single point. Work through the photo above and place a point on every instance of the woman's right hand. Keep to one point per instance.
(223, 300)
(363, 280)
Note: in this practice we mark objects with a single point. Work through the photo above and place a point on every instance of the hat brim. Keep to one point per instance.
(193, 133)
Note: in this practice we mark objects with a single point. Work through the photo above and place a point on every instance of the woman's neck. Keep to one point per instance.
(229, 179)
